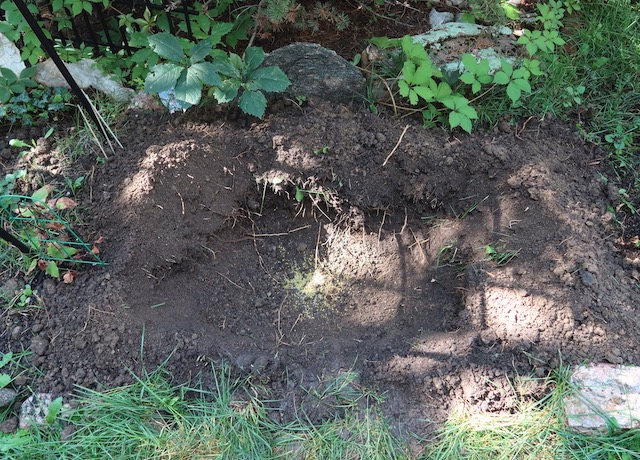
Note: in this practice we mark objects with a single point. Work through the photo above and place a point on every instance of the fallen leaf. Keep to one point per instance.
(42, 264)
(65, 203)
(57, 226)
(100, 240)
(95, 250)
(68, 277)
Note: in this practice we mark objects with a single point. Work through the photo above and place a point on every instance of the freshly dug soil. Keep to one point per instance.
(324, 239)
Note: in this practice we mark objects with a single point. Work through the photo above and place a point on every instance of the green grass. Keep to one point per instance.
(155, 419)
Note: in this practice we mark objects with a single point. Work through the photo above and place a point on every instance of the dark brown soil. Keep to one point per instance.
(381, 269)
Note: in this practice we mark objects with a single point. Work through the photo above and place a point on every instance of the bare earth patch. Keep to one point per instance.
(380, 269)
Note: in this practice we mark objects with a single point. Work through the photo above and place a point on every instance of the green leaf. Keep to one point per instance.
(467, 78)
(513, 91)
(207, 73)
(5, 380)
(52, 270)
(425, 93)
(501, 78)
(458, 119)
(404, 88)
(413, 97)
(423, 74)
(253, 103)
(270, 79)
(253, 57)
(200, 51)
(42, 193)
(60, 252)
(162, 78)
(189, 87)
(506, 68)
(469, 62)
(299, 195)
(408, 71)
(523, 85)
(5, 94)
(167, 46)
(6, 359)
(510, 11)
(227, 91)
(54, 410)
(227, 66)
(218, 30)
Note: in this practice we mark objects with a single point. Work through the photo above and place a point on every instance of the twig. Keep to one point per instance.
(384, 216)
(269, 235)
(397, 145)
(227, 278)
(181, 200)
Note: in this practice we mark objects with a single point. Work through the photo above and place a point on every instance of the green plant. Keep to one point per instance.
(27, 298)
(246, 77)
(546, 40)
(574, 96)
(516, 80)
(74, 185)
(447, 254)
(500, 256)
(16, 28)
(321, 150)
(183, 76)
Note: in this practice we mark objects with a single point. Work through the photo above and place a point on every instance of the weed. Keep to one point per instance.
(321, 150)
(447, 254)
(500, 256)
(27, 298)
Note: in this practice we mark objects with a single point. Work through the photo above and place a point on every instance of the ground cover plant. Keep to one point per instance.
(335, 283)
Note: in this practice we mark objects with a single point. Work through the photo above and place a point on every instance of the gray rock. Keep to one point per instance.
(437, 18)
(587, 278)
(318, 72)
(7, 396)
(603, 391)
(34, 410)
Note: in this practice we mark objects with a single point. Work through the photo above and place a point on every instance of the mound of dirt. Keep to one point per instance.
(324, 239)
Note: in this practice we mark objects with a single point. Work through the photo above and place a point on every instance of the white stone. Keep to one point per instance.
(437, 18)
(34, 410)
(86, 74)
(604, 391)
(10, 56)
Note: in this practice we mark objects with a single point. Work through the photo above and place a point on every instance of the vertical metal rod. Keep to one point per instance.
(49, 48)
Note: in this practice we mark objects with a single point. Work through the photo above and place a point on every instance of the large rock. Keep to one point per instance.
(318, 72)
(86, 74)
(604, 391)
(10, 56)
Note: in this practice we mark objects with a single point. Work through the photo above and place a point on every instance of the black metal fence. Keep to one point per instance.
(101, 28)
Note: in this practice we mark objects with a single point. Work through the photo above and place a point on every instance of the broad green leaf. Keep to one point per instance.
(207, 73)
(513, 91)
(459, 119)
(42, 193)
(423, 74)
(228, 67)
(218, 30)
(5, 380)
(189, 87)
(408, 70)
(444, 90)
(253, 103)
(425, 93)
(6, 359)
(270, 79)
(9, 74)
(469, 62)
(501, 78)
(506, 68)
(227, 91)
(167, 46)
(253, 57)
(523, 85)
(5, 94)
(52, 270)
(483, 68)
(510, 11)
(54, 410)
(200, 51)
(162, 78)
(403, 87)
(467, 78)
(413, 97)
(60, 251)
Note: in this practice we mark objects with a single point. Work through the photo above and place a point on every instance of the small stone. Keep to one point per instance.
(34, 410)
(437, 18)
(37, 327)
(20, 380)
(301, 247)
(7, 396)
(448, 161)
(381, 137)
(587, 278)
(16, 332)
(9, 426)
